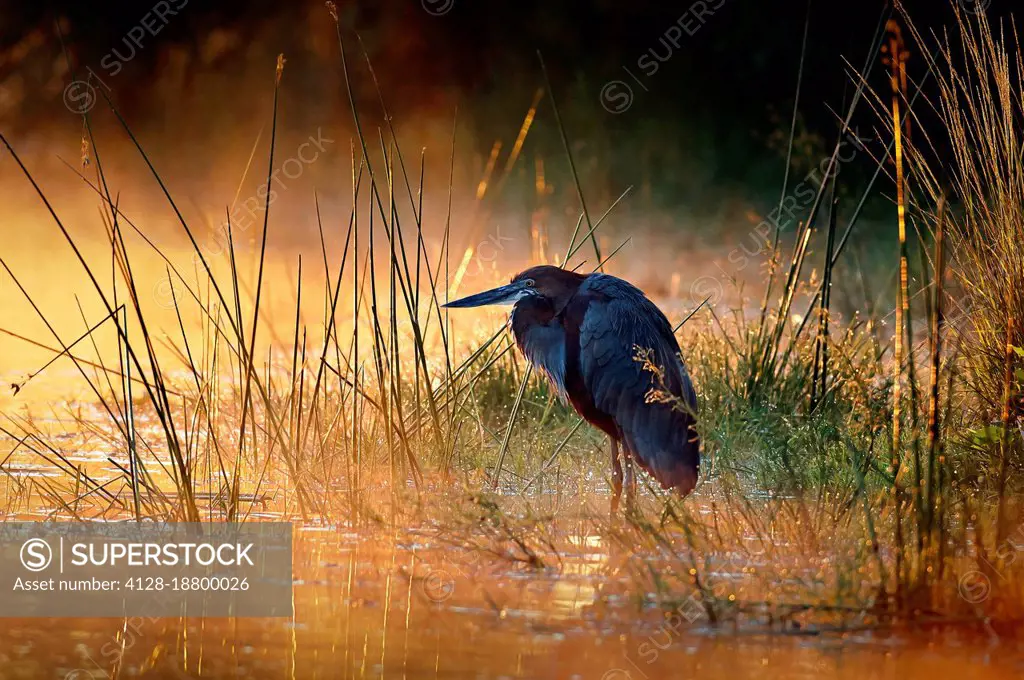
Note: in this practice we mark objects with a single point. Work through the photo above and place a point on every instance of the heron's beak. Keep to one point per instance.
(503, 295)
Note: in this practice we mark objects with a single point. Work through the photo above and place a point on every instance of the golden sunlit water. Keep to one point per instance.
(405, 604)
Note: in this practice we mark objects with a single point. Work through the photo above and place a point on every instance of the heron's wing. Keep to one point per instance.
(619, 321)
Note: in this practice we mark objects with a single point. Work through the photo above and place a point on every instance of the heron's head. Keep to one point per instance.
(553, 283)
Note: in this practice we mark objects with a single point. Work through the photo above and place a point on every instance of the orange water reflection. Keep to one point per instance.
(409, 607)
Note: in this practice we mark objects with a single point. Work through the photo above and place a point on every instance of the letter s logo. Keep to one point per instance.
(36, 554)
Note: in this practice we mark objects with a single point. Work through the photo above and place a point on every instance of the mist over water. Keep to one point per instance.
(199, 102)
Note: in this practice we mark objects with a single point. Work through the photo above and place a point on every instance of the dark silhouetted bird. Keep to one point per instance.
(585, 333)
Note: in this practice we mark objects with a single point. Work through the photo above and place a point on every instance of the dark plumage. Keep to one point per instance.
(584, 333)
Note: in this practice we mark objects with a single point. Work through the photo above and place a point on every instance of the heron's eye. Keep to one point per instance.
(530, 283)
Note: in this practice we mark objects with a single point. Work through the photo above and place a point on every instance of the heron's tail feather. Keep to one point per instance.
(670, 455)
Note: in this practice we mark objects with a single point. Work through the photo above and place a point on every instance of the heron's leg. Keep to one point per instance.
(629, 478)
(616, 476)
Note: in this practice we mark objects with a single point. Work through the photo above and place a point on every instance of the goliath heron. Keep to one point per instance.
(584, 332)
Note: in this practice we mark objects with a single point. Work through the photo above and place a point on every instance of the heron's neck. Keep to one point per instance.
(567, 287)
